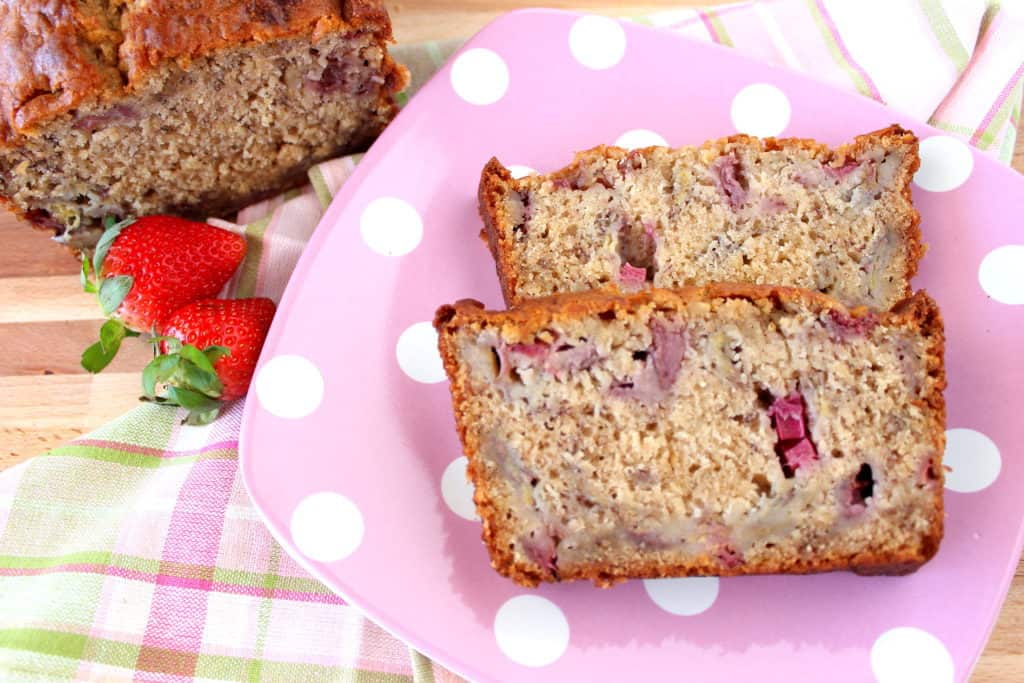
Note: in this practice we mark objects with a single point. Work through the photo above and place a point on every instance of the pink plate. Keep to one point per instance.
(348, 444)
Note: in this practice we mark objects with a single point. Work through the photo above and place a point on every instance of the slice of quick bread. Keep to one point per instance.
(791, 212)
(721, 430)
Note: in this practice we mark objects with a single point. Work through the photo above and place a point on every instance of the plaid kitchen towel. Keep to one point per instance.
(135, 554)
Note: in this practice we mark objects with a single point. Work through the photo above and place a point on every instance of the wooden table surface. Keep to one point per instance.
(46, 321)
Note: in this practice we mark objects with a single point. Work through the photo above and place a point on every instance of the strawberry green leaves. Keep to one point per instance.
(112, 291)
(99, 355)
(88, 285)
(184, 376)
(92, 269)
(111, 230)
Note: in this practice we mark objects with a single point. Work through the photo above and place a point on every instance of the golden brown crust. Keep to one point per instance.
(55, 56)
(918, 311)
(51, 56)
(897, 136)
(921, 311)
(152, 32)
(496, 183)
(536, 313)
(367, 13)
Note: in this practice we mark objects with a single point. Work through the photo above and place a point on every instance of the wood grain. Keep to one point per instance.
(45, 321)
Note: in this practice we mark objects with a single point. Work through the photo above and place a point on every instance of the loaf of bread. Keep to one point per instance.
(787, 212)
(191, 108)
(719, 430)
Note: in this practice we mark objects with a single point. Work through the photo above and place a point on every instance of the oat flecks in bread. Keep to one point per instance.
(720, 430)
(190, 108)
(741, 209)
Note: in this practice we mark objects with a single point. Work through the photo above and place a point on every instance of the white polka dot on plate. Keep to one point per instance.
(326, 526)
(760, 109)
(640, 137)
(972, 459)
(518, 171)
(683, 596)
(531, 630)
(910, 655)
(946, 164)
(480, 76)
(597, 42)
(391, 226)
(1001, 274)
(457, 491)
(289, 386)
(418, 355)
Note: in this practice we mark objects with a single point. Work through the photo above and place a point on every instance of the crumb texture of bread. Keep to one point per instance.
(720, 430)
(190, 108)
(774, 211)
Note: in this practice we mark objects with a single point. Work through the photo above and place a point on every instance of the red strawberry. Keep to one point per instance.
(146, 269)
(208, 354)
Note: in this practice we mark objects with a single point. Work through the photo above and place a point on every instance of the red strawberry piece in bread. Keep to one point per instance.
(144, 270)
(209, 350)
(632, 277)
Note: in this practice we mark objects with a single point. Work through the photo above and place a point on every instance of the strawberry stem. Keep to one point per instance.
(88, 284)
(185, 376)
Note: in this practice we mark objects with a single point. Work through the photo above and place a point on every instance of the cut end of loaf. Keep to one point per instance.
(707, 431)
(232, 128)
(740, 209)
